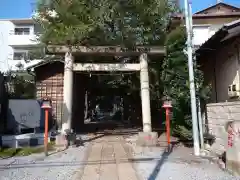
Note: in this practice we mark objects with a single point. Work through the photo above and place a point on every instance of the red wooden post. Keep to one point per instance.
(46, 133)
(167, 105)
(46, 105)
(168, 126)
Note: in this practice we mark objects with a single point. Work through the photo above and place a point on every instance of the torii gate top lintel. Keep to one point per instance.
(106, 50)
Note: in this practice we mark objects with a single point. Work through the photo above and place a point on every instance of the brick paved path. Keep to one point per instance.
(108, 160)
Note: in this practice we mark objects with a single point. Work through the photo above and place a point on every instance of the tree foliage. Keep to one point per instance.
(20, 86)
(176, 82)
(104, 22)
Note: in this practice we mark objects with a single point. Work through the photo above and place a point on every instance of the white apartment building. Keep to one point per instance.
(17, 38)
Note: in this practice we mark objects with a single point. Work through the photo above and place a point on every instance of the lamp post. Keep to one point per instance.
(167, 105)
(46, 106)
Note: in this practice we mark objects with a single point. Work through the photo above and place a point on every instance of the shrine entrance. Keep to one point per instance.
(75, 66)
(110, 104)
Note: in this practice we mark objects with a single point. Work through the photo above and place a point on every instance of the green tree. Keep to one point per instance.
(104, 22)
(20, 85)
(176, 82)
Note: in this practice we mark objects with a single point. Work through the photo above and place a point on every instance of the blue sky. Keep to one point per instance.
(24, 8)
(198, 5)
(16, 8)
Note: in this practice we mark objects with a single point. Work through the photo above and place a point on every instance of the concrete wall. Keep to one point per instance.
(218, 114)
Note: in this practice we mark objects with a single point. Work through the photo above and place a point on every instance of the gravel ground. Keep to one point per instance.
(155, 164)
(59, 166)
(150, 163)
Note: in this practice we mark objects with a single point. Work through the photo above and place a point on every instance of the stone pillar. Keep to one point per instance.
(145, 94)
(67, 91)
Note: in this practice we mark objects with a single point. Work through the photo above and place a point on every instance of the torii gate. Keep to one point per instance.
(70, 66)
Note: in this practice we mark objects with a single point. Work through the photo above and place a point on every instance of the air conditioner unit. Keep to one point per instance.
(233, 90)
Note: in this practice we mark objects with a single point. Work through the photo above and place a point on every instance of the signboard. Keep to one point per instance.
(26, 117)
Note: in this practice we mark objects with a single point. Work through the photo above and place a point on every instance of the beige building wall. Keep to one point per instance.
(222, 70)
(204, 28)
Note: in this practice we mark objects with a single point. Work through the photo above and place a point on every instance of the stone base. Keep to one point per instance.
(147, 139)
(233, 167)
(60, 140)
(71, 141)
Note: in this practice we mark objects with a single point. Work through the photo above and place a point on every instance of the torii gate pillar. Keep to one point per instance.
(67, 91)
(145, 93)
(147, 137)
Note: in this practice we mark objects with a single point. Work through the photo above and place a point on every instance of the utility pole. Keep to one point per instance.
(198, 100)
(188, 20)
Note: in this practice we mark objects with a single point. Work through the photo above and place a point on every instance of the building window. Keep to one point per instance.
(22, 31)
(19, 55)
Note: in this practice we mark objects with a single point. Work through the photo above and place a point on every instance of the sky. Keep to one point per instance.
(23, 8)
(16, 9)
(198, 5)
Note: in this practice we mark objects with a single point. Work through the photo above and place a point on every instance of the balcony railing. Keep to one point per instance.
(22, 40)
(21, 64)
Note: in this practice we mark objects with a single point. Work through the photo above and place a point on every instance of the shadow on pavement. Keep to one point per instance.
(48, 164)
(161, 161)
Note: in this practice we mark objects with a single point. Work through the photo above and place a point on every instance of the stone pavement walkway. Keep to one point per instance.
(108, 160)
